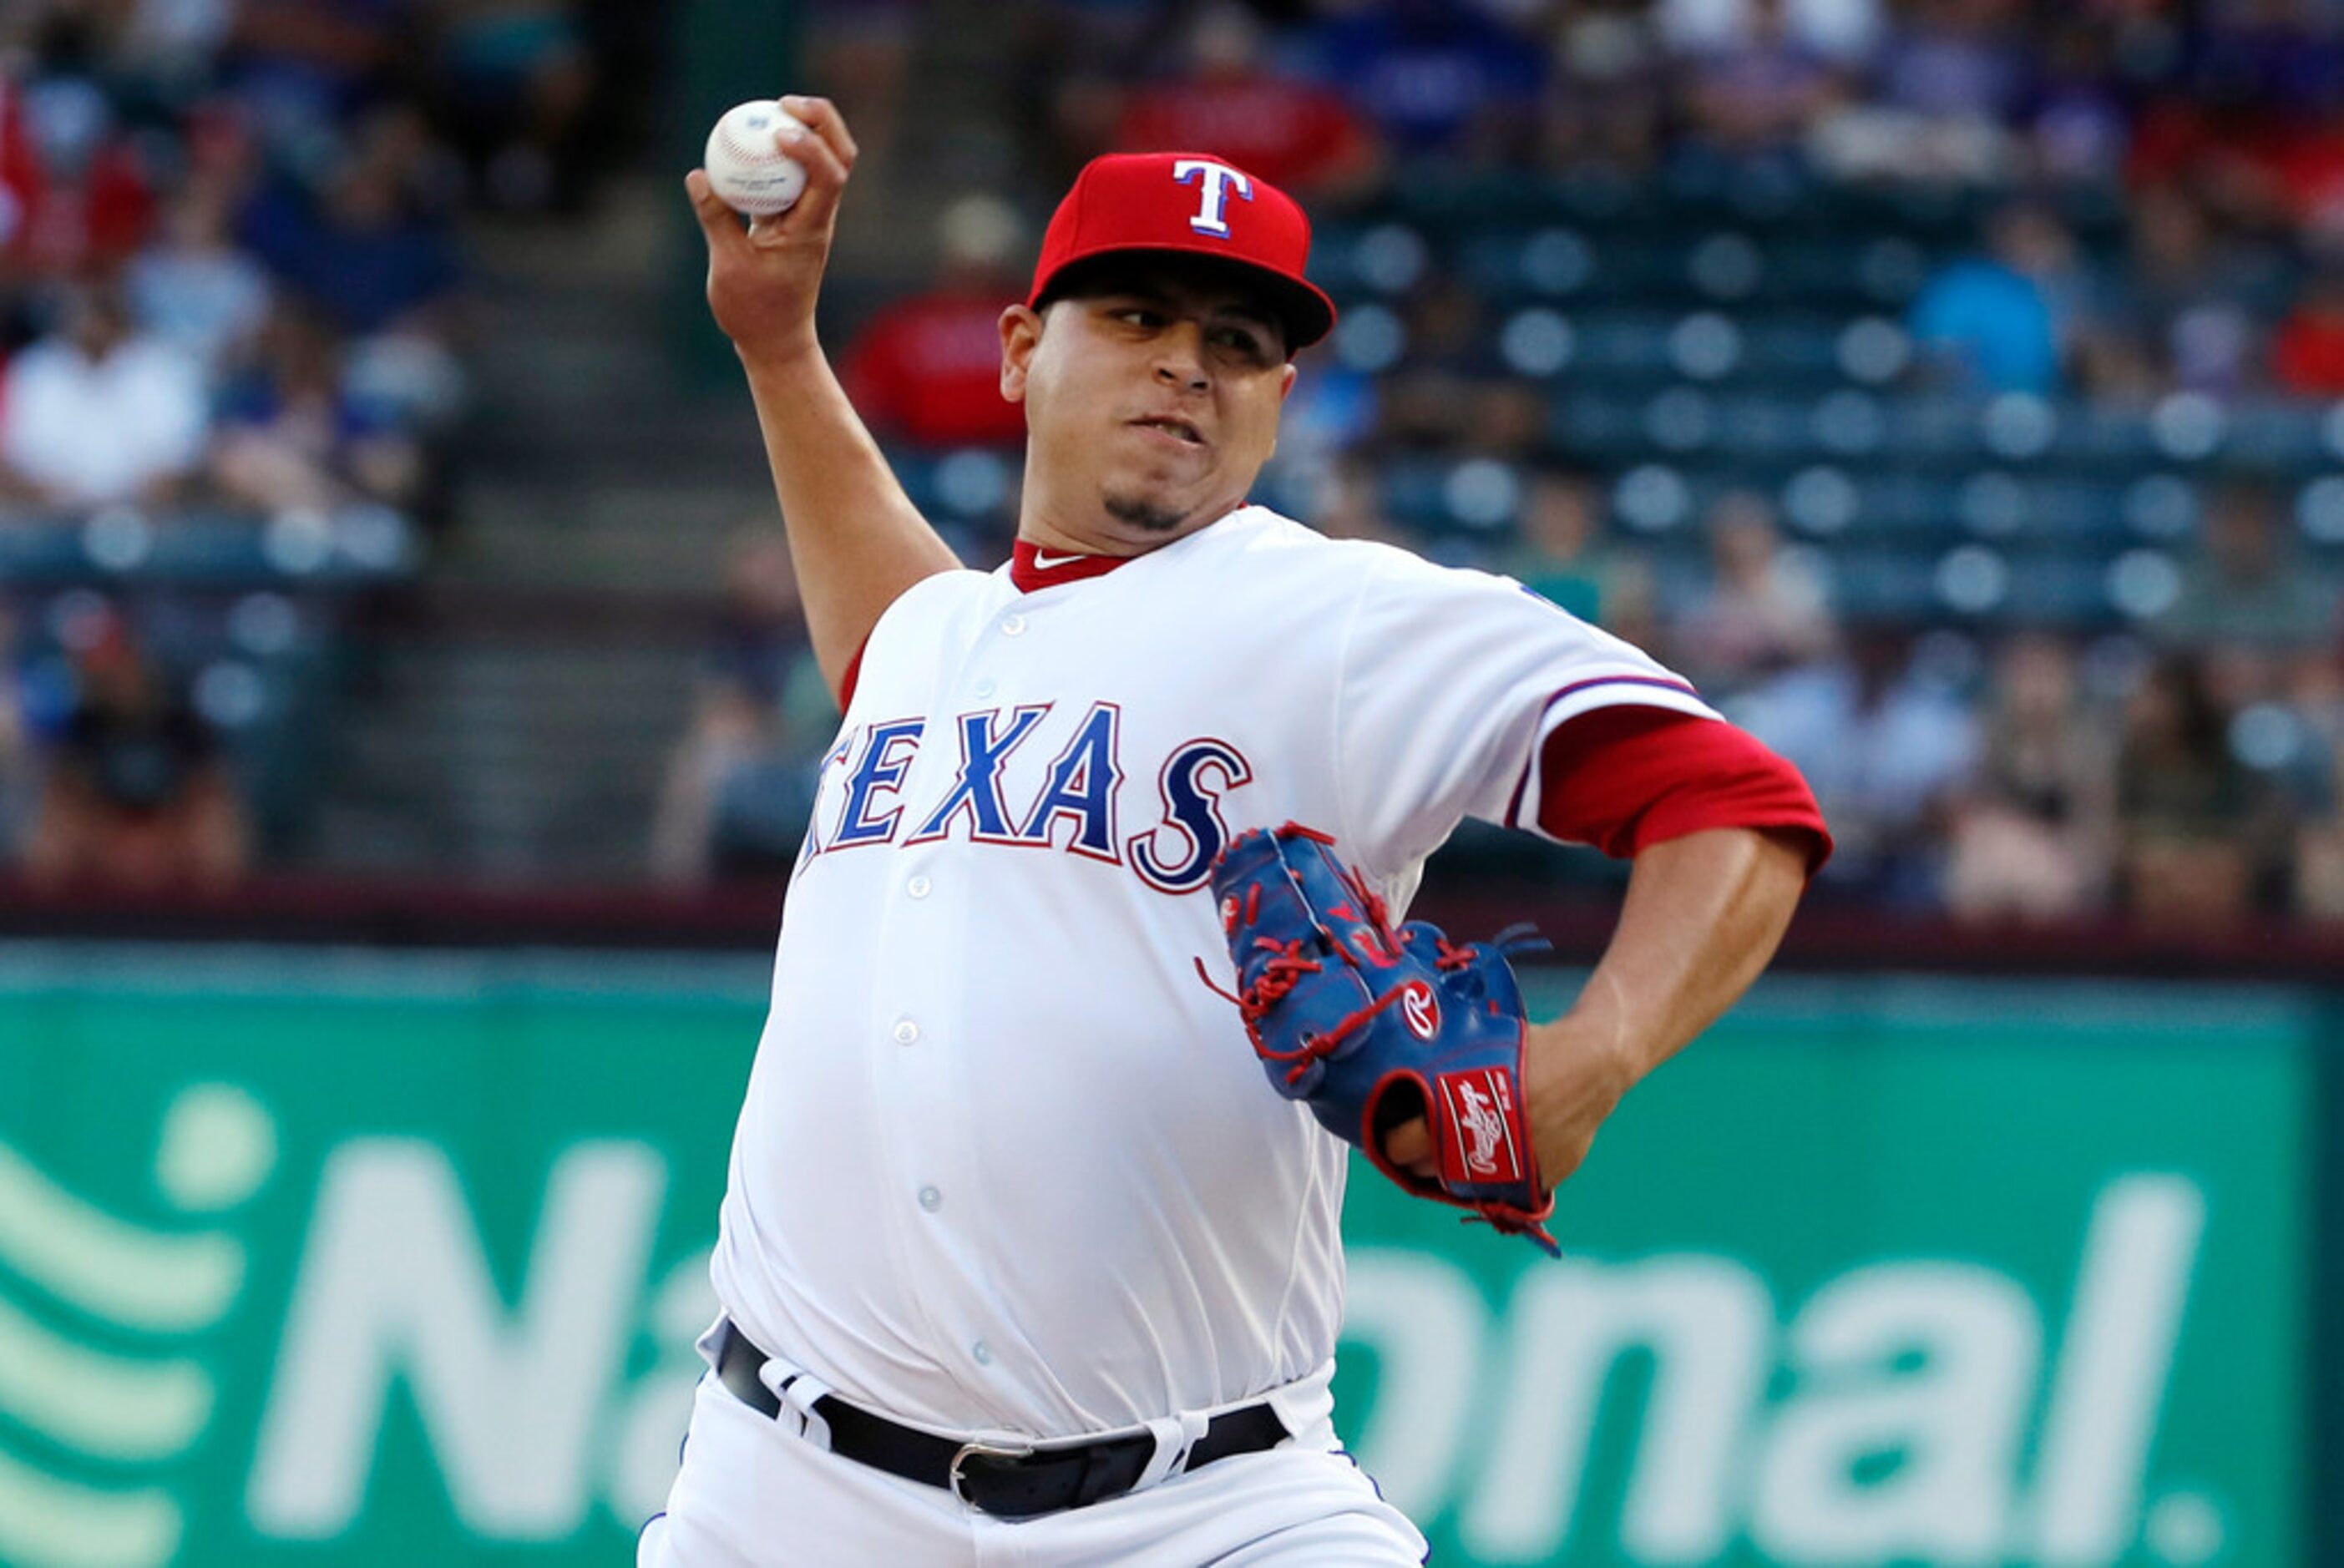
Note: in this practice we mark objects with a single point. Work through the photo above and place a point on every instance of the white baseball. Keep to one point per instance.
(749, 172)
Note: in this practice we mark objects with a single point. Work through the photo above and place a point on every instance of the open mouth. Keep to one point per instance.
(1172, 425)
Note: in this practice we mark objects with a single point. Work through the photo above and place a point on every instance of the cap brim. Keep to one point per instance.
(1303, 311)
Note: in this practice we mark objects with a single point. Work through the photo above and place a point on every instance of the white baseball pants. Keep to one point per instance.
(753, 1493)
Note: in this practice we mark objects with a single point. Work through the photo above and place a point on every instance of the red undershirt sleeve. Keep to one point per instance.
(1625, 778)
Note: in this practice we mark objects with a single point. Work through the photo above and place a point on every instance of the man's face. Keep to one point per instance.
(1152, 400)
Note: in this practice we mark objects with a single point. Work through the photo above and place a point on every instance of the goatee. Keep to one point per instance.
(1143, 515)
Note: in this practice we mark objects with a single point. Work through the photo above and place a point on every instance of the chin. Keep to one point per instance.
(1150, 514)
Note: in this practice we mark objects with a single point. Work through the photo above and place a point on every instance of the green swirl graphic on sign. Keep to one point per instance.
(91, 1279)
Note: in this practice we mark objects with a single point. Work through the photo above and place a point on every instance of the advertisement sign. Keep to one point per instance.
(318, 1260)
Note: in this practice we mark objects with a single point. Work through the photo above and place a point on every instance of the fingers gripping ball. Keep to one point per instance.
(746, 167)
(1370, 1027)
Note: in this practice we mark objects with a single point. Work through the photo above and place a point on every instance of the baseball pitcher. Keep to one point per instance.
(1095, 963)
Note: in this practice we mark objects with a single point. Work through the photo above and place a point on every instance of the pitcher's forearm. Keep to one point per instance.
(1703, 915)
(856, 539)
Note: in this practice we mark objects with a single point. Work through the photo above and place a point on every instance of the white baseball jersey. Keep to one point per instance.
(1005, 1161)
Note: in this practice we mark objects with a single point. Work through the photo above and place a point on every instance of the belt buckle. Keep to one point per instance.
(981, 1450)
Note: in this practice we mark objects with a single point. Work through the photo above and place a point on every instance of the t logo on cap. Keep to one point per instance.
(1218, 179)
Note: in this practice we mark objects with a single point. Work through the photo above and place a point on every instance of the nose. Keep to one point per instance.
(1180, 357)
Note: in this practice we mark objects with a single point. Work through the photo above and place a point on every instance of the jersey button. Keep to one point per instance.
(918, 886)
(985, 687)
(983, 1353)
(907, 1032)
(1013, 625)
(931, 1199)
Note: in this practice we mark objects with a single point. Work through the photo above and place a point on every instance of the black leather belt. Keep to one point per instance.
(1007, 1481)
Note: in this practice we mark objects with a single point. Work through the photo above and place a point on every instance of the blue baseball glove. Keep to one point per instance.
(1371, 1027)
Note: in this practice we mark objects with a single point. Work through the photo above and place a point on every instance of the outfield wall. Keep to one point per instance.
(318, 1257)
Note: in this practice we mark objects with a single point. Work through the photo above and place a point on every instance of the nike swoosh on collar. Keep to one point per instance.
(1044, 562)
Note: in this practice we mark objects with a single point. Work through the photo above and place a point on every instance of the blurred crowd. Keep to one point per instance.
(230, 286)
(2180, 764)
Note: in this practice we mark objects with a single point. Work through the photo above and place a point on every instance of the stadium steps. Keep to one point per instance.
(619, 538)
(527, 762)
(532, 745)
(591, 468)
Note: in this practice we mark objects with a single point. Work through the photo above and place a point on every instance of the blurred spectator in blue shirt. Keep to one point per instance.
(360, 248)
(192, 288)
(1997, 322)
(1437, 77)
(1752, 100)
(2077, 119)
(17, 763)
(303, 66)
(292, 436)
(741, 781)
(1885, 748)
(1946, 87)
(138, 795)
(1845, 31)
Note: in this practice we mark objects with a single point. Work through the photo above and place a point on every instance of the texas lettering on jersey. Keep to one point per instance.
(1079, 807)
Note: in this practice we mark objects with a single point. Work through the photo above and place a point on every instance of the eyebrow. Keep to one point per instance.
(1236, 307)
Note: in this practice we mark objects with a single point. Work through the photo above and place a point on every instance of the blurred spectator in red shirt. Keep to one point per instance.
(2308, 351)
(72, 194)
(927, 369)
(1292, 133)
(20, 181)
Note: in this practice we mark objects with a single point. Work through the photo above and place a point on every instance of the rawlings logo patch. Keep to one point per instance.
(1480, 1126)
(1420, 1009)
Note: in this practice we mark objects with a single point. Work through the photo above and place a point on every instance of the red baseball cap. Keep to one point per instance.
(1192, 204)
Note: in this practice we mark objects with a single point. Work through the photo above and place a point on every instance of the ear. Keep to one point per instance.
(1021, 334)
(1284, 388)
